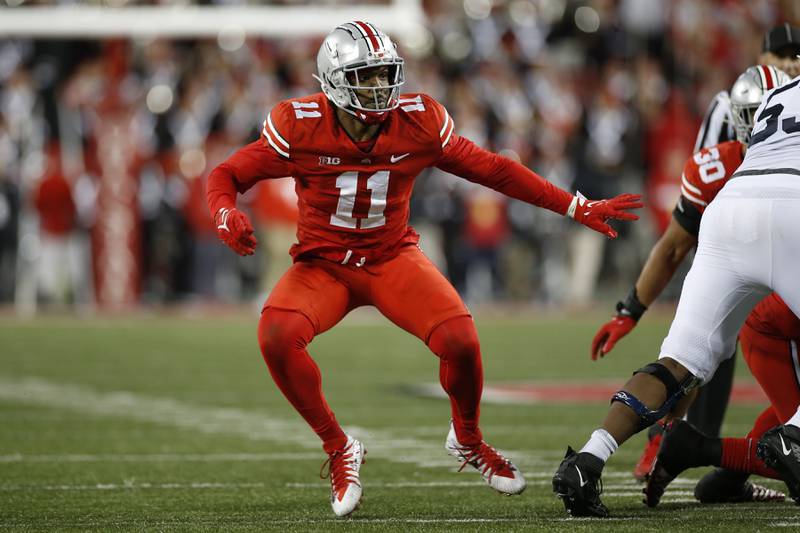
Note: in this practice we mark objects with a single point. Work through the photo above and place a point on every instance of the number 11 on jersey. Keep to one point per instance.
(347, 183)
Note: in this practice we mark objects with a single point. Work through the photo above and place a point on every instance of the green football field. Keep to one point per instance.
(172, 423)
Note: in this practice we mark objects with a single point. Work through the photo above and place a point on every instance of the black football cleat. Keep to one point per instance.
(779, 448)
(682, 447)
(577, 482)
(728, 486)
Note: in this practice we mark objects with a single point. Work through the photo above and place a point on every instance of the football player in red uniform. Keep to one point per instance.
(354, 150)
(704, 175)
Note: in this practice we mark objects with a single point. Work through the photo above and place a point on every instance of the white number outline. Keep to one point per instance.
(710, 167)
(347, 183)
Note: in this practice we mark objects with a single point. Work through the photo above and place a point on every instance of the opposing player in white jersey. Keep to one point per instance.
(749, 246)
(703, 177)
(780, 49)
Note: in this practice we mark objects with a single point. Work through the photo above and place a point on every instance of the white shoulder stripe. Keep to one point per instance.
(691, 198)
(690, 186)
(411, 104)
(446, 120)
(450, 133)
(275, 131)
(272, 143)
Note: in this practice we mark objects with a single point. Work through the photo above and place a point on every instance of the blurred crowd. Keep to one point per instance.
(105, 146)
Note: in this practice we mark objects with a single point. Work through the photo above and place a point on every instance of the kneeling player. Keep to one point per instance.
(769, 340)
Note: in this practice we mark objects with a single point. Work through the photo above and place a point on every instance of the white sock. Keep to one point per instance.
(601, 444)
(795, 420)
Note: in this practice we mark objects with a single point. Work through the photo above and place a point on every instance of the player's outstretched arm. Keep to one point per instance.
(463, 158)
(664, 259)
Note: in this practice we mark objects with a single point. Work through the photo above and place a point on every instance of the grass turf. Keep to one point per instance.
(172, 423)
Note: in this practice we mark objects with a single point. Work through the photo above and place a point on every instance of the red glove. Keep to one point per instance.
(608, 335)
(594, 213)
(235, 230)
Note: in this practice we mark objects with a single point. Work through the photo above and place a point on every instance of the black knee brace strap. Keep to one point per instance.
(675, 391)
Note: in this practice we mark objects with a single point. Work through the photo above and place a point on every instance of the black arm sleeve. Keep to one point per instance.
(687, 215)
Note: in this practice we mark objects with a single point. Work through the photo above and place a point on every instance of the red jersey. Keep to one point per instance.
(708, 170)
(353, 199)
(705, 173)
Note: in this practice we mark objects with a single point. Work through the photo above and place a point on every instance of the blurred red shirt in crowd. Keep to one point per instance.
(53, 199)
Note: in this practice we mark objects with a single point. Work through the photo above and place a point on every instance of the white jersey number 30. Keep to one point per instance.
(709, 165)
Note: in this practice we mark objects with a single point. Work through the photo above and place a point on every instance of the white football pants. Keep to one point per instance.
(749, 246)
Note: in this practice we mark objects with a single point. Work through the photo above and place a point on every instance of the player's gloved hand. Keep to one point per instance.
(610, 332)
(629, 311)
(595, 213)
(235, 230)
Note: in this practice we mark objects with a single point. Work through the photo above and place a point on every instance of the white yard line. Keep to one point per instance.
(164, 411)
(257, 426)
(131, 486)
(226, 421)
(157, 457)
(671, 497)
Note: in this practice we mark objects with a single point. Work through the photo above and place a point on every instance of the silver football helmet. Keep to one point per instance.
(746, 94)
(345, 53)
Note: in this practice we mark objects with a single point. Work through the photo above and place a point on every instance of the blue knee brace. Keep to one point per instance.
(675, 391)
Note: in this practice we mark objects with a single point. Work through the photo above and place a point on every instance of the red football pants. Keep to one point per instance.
(773, 362)
(314, 295)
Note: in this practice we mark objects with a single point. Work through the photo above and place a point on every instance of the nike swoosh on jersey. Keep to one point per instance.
(396, 158)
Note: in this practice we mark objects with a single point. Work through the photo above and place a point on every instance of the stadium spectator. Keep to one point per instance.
(515, 79)
(57, 267)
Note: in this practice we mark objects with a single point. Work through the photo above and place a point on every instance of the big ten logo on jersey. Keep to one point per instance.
(709, 164)
(326, 160)
(306, 110)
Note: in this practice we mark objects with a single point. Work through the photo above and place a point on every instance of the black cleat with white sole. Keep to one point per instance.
(577, 482)
(779, 448)
(728, 486)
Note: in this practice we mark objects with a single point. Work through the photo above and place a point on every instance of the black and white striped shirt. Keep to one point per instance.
(717, 124)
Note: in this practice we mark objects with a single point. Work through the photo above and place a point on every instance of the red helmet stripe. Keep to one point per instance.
(768, 76)
(371, 35)
(377, 34)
